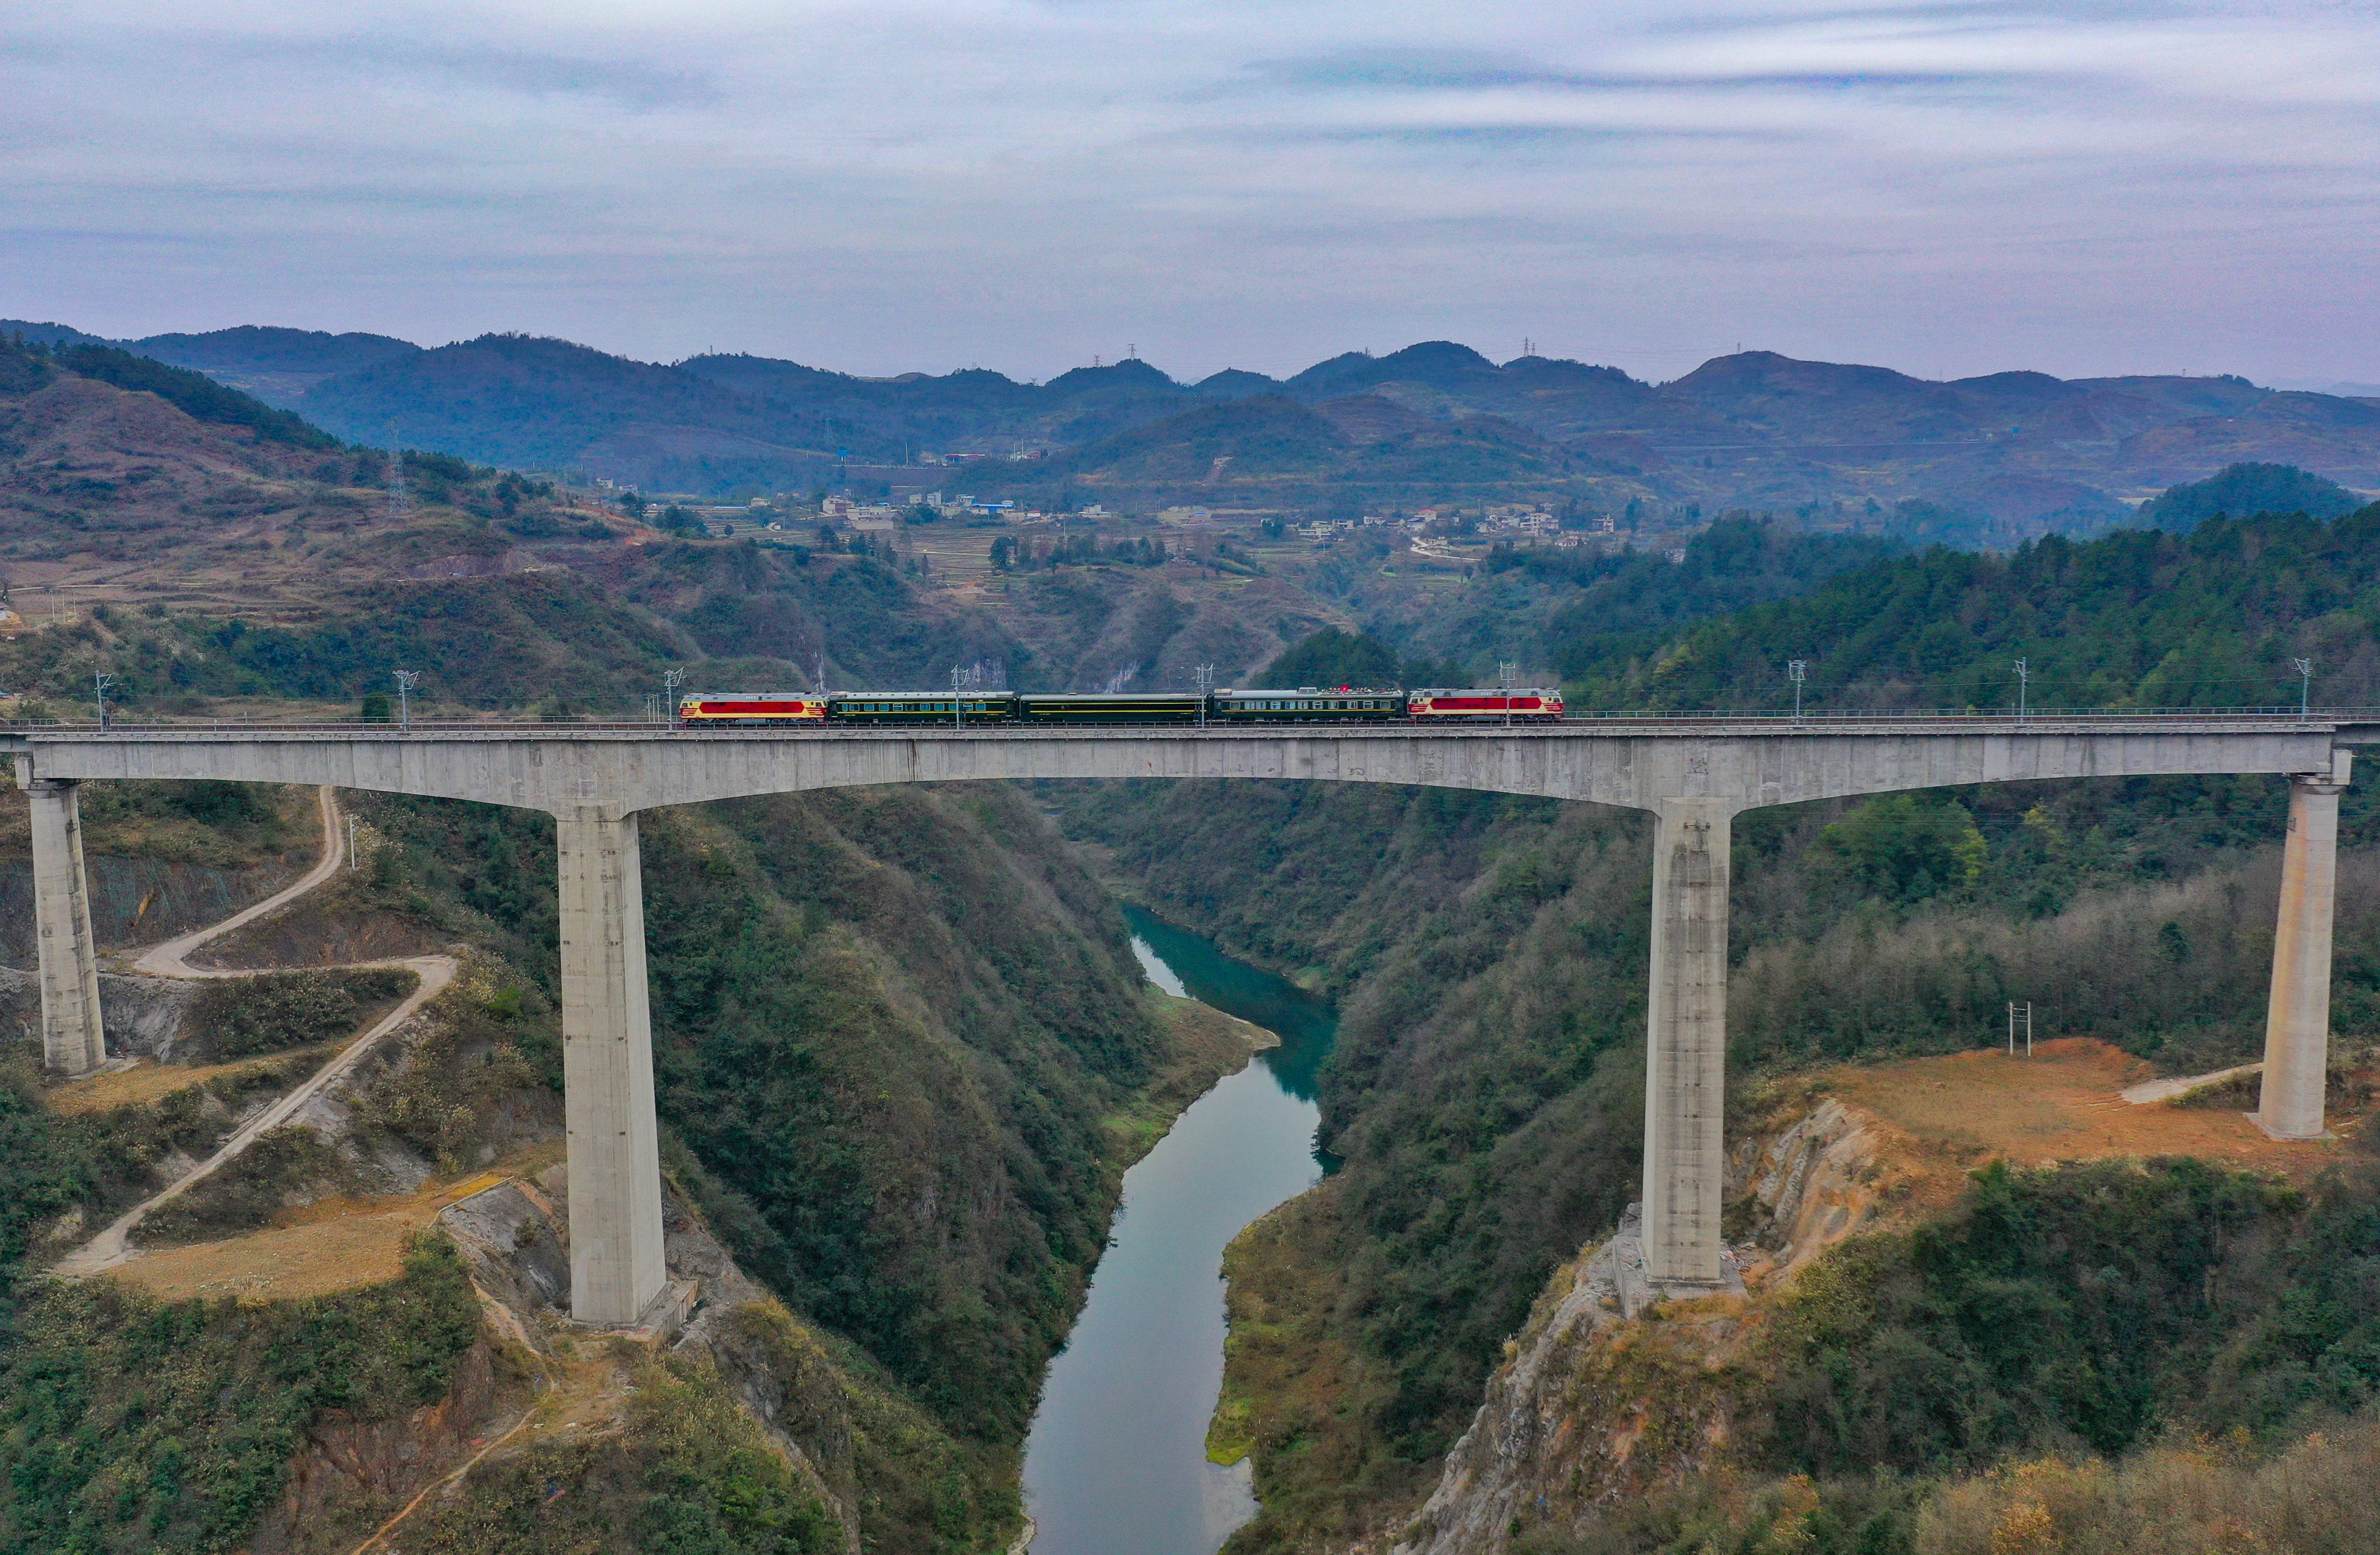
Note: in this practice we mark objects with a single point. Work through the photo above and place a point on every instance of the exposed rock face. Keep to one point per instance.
(139, 901)
(349, 1463)
(513, 1239)
(1589, 1408)
(142, 1014)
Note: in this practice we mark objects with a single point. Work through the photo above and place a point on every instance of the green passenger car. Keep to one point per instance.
(1310, 704)
(921, 707)
(1065, 708)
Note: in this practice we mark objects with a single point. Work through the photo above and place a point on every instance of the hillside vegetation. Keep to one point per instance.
(903, 1050)
(1975, 1379)
(1488, 953)
(2140, 618)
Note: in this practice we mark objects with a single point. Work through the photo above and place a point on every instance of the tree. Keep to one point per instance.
(2243, 490)
(375, 708)
(1331, 657)
(1907, 848)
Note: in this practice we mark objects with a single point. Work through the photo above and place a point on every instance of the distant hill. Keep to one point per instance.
(1270, 451)
(2243, 491)
(1991, 460)
(275, 365)
(539, 404)
(971, 410)
(48, 333)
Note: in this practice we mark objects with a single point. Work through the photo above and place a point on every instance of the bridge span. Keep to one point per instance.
(1694, 774)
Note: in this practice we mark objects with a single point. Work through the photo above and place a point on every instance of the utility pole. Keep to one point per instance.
(406, 681)
(2023, 683)
(1506, 670)
(397, 499)
(671, 681)
(2305, 685)
(100, 685)
(1795, 671)
(351, 840)
(1206, 676)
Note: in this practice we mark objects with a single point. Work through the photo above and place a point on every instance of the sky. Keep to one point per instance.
(1947, 189)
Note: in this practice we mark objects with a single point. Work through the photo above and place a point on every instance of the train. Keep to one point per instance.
(1305, 704)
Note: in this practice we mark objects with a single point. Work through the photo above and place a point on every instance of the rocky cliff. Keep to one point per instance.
(1588, 1406)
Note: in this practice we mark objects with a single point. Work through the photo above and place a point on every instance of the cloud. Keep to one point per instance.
(925, 183)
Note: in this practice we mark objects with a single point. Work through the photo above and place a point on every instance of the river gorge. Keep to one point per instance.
(1117, 1457)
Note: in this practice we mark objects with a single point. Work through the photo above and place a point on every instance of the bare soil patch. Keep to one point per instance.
(2063, 1103)
(331, 1246)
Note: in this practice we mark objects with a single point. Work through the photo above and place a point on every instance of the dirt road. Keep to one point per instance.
(111, 1248)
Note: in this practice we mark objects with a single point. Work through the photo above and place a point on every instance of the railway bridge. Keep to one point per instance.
(1694, 774)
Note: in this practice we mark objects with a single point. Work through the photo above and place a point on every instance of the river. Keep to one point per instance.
(1116, 1463)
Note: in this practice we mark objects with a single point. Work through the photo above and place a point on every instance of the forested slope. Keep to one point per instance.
(1486, 1093)
(902, 1046)
(2140, 618)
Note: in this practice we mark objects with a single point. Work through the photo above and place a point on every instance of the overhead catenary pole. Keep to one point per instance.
(2023, 683)
(2305, 684)
(1506, 670)
(1795, 671)
(100, 687)
(406, 681)
(1206, 678)
(671, 681)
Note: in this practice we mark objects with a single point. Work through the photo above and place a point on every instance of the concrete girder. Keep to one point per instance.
(1695, 775)
(558, 769)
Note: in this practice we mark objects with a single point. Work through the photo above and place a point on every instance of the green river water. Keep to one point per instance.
(1116, 1462)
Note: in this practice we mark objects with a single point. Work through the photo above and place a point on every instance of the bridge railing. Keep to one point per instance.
(1817, 717)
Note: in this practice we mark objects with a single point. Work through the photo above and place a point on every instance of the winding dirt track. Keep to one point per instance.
(112, 1247)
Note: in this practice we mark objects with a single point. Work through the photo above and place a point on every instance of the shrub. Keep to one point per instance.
(128, 1424)
(238, 1016)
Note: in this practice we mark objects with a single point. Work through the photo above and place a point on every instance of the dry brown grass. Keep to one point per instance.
(2061, 1104)
(145, 1081)
(2322, 1497)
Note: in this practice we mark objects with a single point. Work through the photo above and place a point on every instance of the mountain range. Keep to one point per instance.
(2011, 453)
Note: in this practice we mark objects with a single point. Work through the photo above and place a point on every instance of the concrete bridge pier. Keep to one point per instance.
(68, 957)
(1685, 1061)
(2297, 1024)
(607, 1065)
